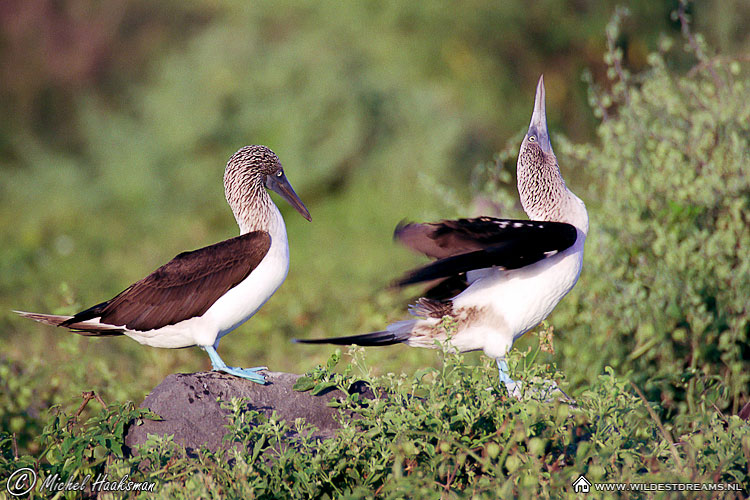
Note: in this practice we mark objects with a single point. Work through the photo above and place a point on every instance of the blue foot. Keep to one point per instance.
(513, 387)
(246, 373)
(218, 365)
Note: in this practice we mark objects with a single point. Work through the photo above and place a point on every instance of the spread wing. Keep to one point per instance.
(467, 244)
(184, 287)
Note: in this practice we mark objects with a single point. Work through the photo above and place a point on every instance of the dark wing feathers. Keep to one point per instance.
(184, 287)
(447, 288)
(453, 237)
(467, 244)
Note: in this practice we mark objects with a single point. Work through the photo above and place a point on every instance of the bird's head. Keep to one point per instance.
(537, 137)
(252, 167)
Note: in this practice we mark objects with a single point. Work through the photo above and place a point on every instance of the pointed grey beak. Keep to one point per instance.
(538, 125)
(281, 186)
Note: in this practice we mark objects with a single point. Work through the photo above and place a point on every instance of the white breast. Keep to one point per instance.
(516, 301)
(244, 300)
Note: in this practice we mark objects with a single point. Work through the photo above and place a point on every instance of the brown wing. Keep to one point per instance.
(184, 287)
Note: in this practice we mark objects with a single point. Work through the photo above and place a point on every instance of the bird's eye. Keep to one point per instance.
(279, 173)
(532, 138)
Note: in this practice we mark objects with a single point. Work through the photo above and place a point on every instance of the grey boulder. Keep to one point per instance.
(190, 405)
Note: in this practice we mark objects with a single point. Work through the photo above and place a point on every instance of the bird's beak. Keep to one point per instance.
(538, 125)
(281, 186)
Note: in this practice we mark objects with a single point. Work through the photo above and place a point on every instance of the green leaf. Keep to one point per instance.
(303, 384)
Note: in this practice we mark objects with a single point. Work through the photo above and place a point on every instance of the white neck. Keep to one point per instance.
(575, 213)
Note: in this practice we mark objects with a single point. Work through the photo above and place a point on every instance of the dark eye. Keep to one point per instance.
(279, 173)
(532, 138)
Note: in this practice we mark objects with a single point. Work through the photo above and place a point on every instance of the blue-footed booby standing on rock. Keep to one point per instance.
(200, 296)
(499, 278)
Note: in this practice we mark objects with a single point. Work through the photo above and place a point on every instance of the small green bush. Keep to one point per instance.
(442, 433)
(665, 286)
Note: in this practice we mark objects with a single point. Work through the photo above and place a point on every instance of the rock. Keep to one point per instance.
(189, 404)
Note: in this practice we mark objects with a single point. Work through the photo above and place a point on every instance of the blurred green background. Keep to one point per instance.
(117, 118)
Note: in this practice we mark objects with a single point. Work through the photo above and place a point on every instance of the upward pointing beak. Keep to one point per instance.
(538, 125)
(282, 187)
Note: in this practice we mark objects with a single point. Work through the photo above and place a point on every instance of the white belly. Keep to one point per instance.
(243, 301)
(518, 300)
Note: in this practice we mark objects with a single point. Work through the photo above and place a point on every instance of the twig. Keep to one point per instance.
(88, 396)
(664, 433)
(721, 414)
(617, 58)
(599, 105)
(15, 446)
(101, 401)
(449, 480)
(712, 61)
(685, 27)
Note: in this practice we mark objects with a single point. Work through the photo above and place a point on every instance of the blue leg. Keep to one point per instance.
(248, 373)
(544, 391)
(513, 387)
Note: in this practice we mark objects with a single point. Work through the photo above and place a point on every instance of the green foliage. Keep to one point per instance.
(665, 282)
(322, 378)
(72, 450)
(442, 433)
(21, 404)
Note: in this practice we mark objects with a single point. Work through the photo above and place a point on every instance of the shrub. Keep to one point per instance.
(441, 433)
(665, 286)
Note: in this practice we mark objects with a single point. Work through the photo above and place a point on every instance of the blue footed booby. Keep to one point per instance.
(496, 278)
(200, 296)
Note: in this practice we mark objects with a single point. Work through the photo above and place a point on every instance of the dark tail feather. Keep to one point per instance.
(366, 339)
(79, 328)
(90, 313)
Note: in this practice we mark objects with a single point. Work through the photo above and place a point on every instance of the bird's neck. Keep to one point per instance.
(253, 209)
(544, 195)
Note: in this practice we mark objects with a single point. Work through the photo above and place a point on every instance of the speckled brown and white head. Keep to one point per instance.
(248, 172)
(543, 193)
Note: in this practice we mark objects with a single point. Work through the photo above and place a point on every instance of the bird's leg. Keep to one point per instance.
(513, 387)
(217, 364)
(544, 391)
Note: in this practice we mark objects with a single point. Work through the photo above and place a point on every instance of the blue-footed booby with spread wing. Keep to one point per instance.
(200, 296)
(499, 278)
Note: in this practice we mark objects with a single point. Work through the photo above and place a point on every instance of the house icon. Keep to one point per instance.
(581, 485)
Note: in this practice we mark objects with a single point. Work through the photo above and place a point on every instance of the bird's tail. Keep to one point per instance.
(396, 333)
(87, 328)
